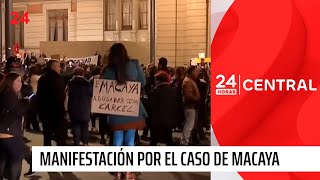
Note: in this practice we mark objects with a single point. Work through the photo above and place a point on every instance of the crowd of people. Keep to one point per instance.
(55, 96)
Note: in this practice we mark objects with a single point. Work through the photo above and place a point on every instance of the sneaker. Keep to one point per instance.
(184, 142)
(29, 174)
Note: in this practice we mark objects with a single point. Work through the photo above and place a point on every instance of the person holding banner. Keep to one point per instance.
(122, 69)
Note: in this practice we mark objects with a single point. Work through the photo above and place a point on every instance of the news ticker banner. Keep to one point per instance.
(265, 77)
(175, 159)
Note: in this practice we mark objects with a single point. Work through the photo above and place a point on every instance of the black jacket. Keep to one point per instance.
(148, 88)
(51, 96)
(164, 107)
(11, 111)
(177, 84)
(79, 102)
(26, 90)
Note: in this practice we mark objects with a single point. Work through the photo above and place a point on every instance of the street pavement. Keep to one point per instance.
(36, 140)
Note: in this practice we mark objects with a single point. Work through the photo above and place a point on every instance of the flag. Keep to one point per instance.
(16, 48)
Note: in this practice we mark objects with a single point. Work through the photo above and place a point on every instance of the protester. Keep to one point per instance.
(163, 66)
(95, 75)
(191, 99)
(198, 132)
(79, 92)
(51, 96)
(26, 59)
(150, 85)
(31, 117)
(33, 59)
(9, 64)
(12, 108)
(164, 111)
(177, 84)
(122, 69)
(41, 61)
(99, 63)
(2, 76)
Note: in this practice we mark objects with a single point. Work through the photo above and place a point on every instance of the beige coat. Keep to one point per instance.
(34, 82)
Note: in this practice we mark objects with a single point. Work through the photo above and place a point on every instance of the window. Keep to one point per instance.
(127, 14)
(143, 14)
(18, 32)
(111, 16)
(58, 25)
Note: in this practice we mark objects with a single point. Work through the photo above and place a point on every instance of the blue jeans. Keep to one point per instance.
(124, 138)
(191, 117)
(80, 133)
(12, 152)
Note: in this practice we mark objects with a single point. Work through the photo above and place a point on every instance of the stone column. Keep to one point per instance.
(116, 34)
(8, 28)
(119, 15)
(135, 17)
(152, 31)
(1, 30)
(196, 32)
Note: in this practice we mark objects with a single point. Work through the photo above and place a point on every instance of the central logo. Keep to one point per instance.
(233, 85)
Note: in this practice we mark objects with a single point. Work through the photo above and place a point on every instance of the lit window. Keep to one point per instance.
(58, 23)
(143, 15)
(127, 9)
(110, 19)
(18, 32)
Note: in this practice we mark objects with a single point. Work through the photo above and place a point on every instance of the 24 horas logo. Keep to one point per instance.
(234, 85)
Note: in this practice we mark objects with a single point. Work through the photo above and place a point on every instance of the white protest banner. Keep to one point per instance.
(109, 97)
(85, 60)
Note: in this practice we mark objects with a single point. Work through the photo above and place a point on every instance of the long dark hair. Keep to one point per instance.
(7, 84)
(35, 70)
(118, 59)
(179, 73)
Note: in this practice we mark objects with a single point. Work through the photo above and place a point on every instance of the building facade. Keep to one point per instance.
(182, 28)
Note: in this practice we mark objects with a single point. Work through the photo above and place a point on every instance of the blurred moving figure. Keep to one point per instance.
(31, 117)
